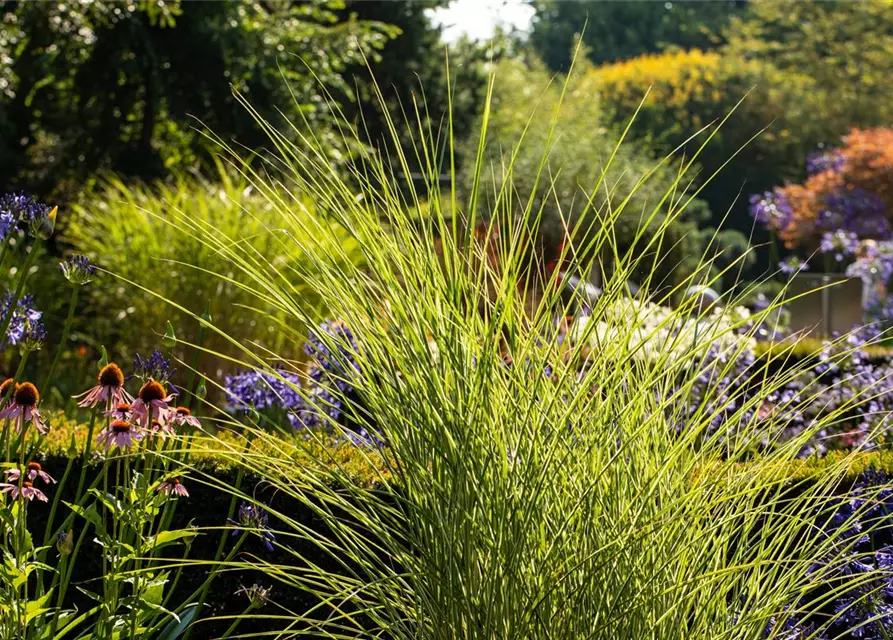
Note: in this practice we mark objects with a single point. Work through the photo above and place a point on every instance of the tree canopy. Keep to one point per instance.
(619, 30)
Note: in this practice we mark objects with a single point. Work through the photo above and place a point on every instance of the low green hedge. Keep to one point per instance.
(209, 507)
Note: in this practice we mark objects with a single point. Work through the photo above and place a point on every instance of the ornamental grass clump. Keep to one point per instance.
(531, 487)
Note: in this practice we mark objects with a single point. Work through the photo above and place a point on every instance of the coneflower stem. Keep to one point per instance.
(85, 458)
(48, 529)
(23, 516)
(203, 594)
(65, 331)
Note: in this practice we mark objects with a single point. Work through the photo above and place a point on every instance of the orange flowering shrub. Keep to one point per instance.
(849, 188)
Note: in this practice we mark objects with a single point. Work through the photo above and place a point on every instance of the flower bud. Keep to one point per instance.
(201, 390)
(257, 595)
(170, 338)
(65, 542)
(77, 270)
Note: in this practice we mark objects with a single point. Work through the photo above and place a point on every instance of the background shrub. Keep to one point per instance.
(687, 91)
(157, 236)
(583, 144)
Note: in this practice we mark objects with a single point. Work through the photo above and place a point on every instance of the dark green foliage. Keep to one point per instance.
(111, 86)
(411, 74)
(581, 149)
(845, 47)
(619, 30)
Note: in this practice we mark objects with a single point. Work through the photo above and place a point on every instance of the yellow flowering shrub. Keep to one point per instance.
(679, 93)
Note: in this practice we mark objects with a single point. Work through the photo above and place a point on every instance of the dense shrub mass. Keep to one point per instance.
(581, 148)
(165, 228)
(849, 189)
(690, 91)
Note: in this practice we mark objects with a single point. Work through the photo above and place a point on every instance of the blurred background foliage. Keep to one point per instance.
(583, 146)
(105, 109)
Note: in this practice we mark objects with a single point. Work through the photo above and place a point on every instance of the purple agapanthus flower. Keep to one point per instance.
(874, 264)
(38, 218)
(822, 161)
(77, 269)
(331, 372)
(842, 244)
(254, 519)
(155, 367)
(24, 325)
(266, 392)
(857, 211)
(792, 265)
(771, 209)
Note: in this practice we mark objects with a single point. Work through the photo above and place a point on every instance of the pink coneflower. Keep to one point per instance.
(33, 472)
(4, 390)
(23, 408)
(120, 412)
(110, 388)
(182, 415)
(173, 487)
(27, 490)
(151, 395)
(119, 434)
(158, 426)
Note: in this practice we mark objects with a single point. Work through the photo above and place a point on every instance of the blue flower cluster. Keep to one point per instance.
(792, 265)
(842, 244)
(771, 209)
(861, 568)
(330, 372)
(77, 269)
(822, 161)
(263, 392)
(155, 367)
(255, 518)
(730, 394)
(333, 351)
(25, 326)
(855, 211)
(35, 216)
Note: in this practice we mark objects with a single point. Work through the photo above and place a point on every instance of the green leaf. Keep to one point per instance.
(90, 594)
(109, 501)
(167, 537)
(153, 592)
(89, 514)
(176, 627)
(37, 607)
(76, 623)
(170, 338)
